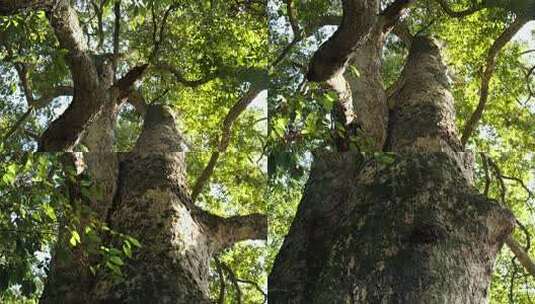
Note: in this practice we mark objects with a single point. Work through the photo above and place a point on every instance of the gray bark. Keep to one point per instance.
(332, 57)
(409, 232)
(407, 227)
(143, 193)
(423, 114)
(69, 280)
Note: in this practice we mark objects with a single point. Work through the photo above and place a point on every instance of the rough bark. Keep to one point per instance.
(362, 99)
(486, 76)
(91, 90)
(68, 277)
(407, 227)
(64, 133)
(368, 93)
(102, 166)
(153, 204)
(410, 232)
(423, 114)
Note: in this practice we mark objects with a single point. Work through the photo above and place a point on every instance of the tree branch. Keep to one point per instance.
(136, 99)
(49, 96)
(116, 35)
(129, 79)
(22, 71)
(332, 56)
(224, 140)
(158, 41)
(64, 132)
(11, 7)
(490, 66)
(181, 79)
(234, 281)
(297, 35)
(255, 285)
(240, 228)
(401, 30)
(522, 256)
(222, 285)
(393, 12)
(322, 21)
(17, 125)
(448, 10)
(517, 250)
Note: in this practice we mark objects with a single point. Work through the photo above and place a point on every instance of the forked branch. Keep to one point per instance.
(459, 14)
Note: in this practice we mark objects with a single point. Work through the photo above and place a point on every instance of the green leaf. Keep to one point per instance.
(75, 238)
(354, 71)
(116, 260)
(49, 211)
(134, 242)
(114, 268)
(127, 249)
(10, 175)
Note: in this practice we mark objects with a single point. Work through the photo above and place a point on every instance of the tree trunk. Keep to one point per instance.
(69, 279)
(407, 227)
(150, 201)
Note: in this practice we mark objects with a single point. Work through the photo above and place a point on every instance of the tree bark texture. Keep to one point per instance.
(367, 91)
(413, 231)
(400, 227)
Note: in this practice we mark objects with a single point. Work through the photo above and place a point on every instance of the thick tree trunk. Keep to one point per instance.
(412, 231)
(396, 228)
(152, 204)
(147, 197)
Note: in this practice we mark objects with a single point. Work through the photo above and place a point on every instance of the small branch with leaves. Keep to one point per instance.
(224, 139)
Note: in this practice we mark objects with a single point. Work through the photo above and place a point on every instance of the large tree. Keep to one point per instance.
(391, 212)
(130, 66)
